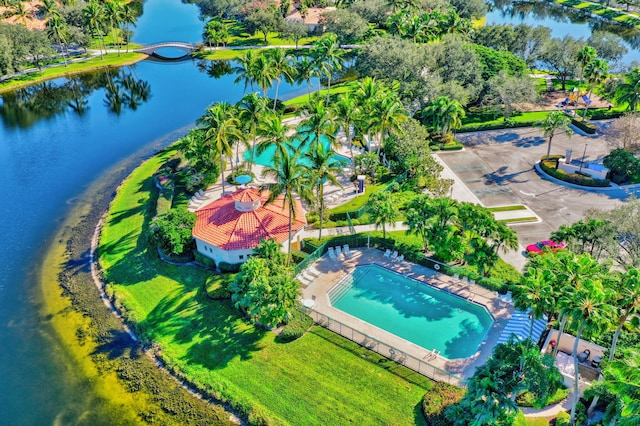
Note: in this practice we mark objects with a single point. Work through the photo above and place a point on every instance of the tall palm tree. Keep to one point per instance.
(556, 121)
(21, 12)
(323, 168)
(113, 13)
(389, 115)
(328, 57)
(584, 57)
(264, 72)
(305, 70)
(592, 310)
(128, 19)
(58, 30)
(627, 287)
(382, 210)
(252, 108)
(245, 69)
(622, 378)
(291, 178)
(443, 114)
(94, 16)
(274, 133)
(596, 72)
(346, 112)
(282, 69)
(629, 91)
(534, 292)
(48, 9)
(319, 123)
(367, 94)
(222, 129)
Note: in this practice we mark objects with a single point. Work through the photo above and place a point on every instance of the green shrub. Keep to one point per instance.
(217, 286)
(172, 231)
(526, 399)
(229, 267)
(549, 167)
(505, 272)
(204, 260)
(437, 399)
(299, 323)
(584, 125)
(563, 419)
(297, 255)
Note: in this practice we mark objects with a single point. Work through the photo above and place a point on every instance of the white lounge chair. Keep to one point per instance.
(394, 254)
(313, 271)
(456, 276)
(387, 253)
(338, 251)
(303, 280)
(308, 276)
(332, 254)
(400, 258)
(472, 281)
(346, 250)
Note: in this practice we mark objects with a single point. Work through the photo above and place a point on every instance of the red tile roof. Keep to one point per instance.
(221, 224)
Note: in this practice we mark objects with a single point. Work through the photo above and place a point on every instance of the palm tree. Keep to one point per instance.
(328, 58)
(628, 302)
(534, 292)
(346, 112)
(622, 378)
(319, 123)
(113, 14)
(305, 70)
(281, 67)
(555, 121)
(383, 211)
(444, 115)
(264, 72)
(389, 115)
(629, 91)
(584, 57)
(323, 167)
(367, 94)
(291, 178)
(21, 12)
(593, 311)
(48, 8)
(245, 69)
(128, 18)
(222, 130)
(94, 17)
(57, 29)
(595, 72)
(274, 133)
(252, 107)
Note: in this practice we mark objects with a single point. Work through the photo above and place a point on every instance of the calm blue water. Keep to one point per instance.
(266, 157)
(414, 311)
(49, 154)
(168, 20)
(563, 23)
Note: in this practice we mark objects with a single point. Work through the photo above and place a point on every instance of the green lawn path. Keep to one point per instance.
(318, 379)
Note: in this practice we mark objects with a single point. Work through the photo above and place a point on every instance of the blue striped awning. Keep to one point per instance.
(519, 326)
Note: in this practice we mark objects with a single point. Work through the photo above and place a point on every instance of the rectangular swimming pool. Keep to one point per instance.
(412, 310)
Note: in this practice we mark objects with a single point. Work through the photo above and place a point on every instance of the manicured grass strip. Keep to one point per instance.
(109, 61)
(316, 380)
(357, 202)
(227, 54)
(507, 208)
(519, 219)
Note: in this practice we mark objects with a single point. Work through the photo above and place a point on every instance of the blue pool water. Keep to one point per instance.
(266, 157)
(421, 314)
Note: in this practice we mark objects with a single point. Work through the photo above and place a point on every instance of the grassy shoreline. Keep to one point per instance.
(111, 60)
(318, 379)
(115, 382)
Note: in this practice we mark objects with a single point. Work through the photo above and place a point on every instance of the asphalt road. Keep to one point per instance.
(498, 167)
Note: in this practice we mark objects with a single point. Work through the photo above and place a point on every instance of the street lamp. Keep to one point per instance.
(583, 155)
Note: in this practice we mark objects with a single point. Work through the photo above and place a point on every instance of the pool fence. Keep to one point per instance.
(420, 366)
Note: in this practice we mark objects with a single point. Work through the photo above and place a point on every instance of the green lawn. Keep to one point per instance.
(110, 60)
(318, 379)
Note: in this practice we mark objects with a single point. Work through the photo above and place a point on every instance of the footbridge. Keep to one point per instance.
(152, 49)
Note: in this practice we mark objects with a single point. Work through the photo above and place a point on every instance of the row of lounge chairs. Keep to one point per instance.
(433, 354)
(394, 255)
(338, 252)
(308, 275)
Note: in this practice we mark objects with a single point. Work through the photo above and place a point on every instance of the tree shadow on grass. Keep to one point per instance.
(214, 331)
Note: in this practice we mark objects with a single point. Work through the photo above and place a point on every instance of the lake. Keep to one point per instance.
(55, 140)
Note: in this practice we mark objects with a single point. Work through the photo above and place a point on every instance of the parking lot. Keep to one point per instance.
(498, 168)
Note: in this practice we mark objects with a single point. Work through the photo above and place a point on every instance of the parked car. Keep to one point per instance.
(541, 246)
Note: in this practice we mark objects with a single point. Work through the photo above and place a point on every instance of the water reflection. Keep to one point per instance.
(214, 69)
(573, 22)
(23, 108)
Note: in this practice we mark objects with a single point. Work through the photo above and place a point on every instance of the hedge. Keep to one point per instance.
(583, 125)
(549, 167)
(299, 323)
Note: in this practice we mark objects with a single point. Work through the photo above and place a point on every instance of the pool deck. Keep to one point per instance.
(334, 270)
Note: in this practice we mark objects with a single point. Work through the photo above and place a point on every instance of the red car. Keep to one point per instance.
(540, 247)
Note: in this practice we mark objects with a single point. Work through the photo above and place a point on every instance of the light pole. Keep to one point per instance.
(583, 155)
